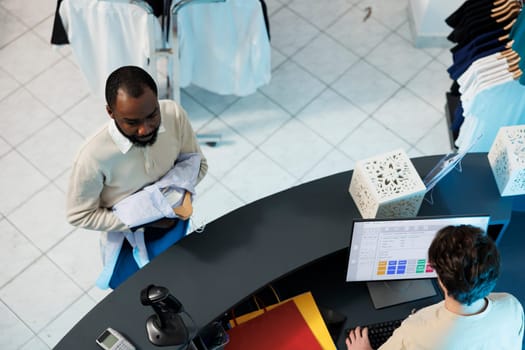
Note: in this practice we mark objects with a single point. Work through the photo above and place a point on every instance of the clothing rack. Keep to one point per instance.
(170, 48)
(149, 37)
(170, 43)
(487, 71)
(165, 46)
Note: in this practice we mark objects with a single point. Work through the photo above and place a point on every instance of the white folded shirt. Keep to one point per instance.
(157, 201)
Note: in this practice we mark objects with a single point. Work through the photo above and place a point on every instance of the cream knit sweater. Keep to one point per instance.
(102, 175)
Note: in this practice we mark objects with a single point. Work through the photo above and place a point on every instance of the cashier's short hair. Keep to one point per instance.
(466, 260)
(131, 79)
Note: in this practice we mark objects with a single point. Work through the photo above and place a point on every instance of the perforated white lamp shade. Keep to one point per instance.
(507, 160)
(387, 185)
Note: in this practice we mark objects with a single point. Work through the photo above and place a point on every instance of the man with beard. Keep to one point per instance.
(137, 147)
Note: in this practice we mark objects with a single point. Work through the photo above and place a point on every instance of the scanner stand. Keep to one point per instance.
(172, 332)
(170, 325)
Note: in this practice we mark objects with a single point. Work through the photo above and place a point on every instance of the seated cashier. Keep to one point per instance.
(133, 163)
(471, 317)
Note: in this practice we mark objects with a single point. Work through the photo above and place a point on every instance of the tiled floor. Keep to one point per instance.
(342, 89)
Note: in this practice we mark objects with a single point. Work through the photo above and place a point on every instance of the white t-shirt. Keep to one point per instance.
(493, 70)
(499, 326)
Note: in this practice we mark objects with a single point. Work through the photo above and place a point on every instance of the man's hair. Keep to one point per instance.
(131, 79)
(466, 260)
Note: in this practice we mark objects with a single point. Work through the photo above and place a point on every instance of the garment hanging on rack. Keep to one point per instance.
(105, 35)
(518, 42)
(224, 47)
(482, 74)
(501, 105)
(465, 57)
(468, 7)
(59, 35)
(486, 70)
(476, 23)
(209, 66)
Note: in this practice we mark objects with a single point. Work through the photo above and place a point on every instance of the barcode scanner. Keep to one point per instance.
(166, 327)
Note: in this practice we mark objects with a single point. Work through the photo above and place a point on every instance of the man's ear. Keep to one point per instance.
(110, 112)
(442, 286)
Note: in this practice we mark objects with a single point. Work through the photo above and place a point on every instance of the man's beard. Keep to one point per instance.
(136, 142)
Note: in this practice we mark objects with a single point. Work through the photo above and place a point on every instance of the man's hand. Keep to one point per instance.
(358, 339)
(185, 210)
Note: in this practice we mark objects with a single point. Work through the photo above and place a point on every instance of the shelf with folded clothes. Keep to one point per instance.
(487, 70)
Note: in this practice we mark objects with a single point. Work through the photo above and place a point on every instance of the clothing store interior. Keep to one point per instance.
(324, 85)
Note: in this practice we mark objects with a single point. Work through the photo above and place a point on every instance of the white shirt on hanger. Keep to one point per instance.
(105, 35)
(224, 47)
(482, 75)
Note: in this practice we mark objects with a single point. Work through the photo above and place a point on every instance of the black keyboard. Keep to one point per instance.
(378, 333)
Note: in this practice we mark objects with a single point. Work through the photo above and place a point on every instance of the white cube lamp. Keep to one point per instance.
(507, 160)
(387, 185)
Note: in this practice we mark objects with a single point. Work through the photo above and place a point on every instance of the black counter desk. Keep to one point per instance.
(275, 237)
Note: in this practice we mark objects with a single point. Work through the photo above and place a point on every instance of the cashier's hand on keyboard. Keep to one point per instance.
(358, 339)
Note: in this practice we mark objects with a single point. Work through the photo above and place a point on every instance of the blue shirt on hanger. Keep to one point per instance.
(497, 106)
